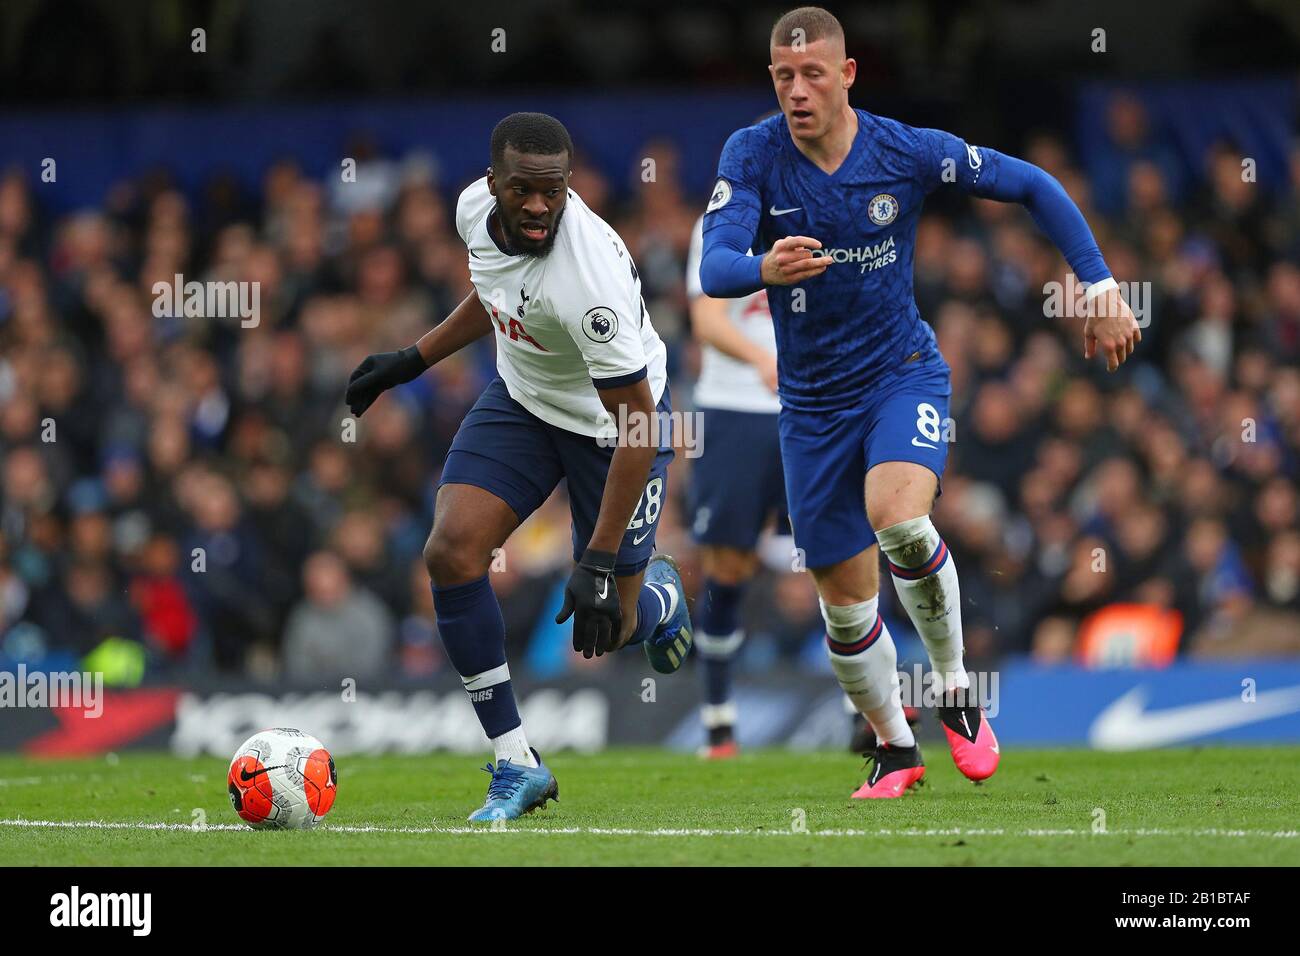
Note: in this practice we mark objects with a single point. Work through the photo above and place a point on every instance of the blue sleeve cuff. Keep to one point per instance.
(618, 381)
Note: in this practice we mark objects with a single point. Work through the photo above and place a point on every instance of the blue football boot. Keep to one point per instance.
(671, 641)
(516, 790)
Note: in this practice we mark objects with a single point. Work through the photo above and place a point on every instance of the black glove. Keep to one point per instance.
(379, 372)
(592, 598)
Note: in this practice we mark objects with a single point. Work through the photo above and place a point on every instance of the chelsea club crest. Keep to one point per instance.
(883, 209)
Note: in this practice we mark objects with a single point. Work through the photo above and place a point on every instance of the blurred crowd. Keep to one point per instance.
(194, 488)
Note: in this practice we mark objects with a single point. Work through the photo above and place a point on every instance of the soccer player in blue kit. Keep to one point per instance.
(828, 197)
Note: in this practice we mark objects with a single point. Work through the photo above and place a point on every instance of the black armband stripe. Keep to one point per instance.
(618, 381)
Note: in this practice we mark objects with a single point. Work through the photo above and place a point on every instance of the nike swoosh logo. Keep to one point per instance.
(604, 588)
(245, 776)
(642, 538)
(1127, 725)
(923, 444)
(773, 211)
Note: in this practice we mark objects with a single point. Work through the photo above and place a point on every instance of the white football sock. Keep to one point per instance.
(865, 662)
(667, 600)
(718, 715)
(719, 647)
(513, 746)
(925, 578)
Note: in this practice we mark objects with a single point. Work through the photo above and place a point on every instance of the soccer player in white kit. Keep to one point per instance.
(737, 486)
(581, 382)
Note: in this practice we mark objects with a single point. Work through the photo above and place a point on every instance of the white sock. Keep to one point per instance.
(513, 746)
(866, 664)
(718, 715)
(667, 600)
(933, 599)
(719, 647)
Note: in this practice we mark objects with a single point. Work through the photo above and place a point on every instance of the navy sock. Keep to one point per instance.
(717, 679)
(472, 631)
(719, 611)
(650, 609)
(716, 637)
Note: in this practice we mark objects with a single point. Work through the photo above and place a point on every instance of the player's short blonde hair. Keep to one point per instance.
(806, 24)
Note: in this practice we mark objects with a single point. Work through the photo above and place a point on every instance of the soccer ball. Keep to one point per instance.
(282, 779)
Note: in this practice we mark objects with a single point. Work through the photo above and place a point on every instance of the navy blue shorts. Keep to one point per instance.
(737, 485)
(827, 455)
(505, 449)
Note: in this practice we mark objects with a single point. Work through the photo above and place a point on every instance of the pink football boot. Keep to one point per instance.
(896, 771)
(974, 748)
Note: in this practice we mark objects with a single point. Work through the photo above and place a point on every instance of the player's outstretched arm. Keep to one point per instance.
(377, 373)
(1110, 327)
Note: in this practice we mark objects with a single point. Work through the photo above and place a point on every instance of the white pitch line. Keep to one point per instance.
(667, 832)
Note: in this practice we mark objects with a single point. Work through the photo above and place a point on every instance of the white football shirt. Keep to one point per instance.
(727, 382)
(564, 320)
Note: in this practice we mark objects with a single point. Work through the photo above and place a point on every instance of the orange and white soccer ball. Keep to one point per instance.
(282, 779)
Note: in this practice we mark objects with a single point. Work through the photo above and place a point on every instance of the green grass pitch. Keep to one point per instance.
(1192, 806)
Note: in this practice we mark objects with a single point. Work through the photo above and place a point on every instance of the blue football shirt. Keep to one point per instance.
(853, 327)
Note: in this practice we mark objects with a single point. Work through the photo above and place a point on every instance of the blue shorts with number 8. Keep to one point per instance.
(827, 455)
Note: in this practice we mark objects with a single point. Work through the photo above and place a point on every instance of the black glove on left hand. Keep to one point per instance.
(592, 598)
(379, 372)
